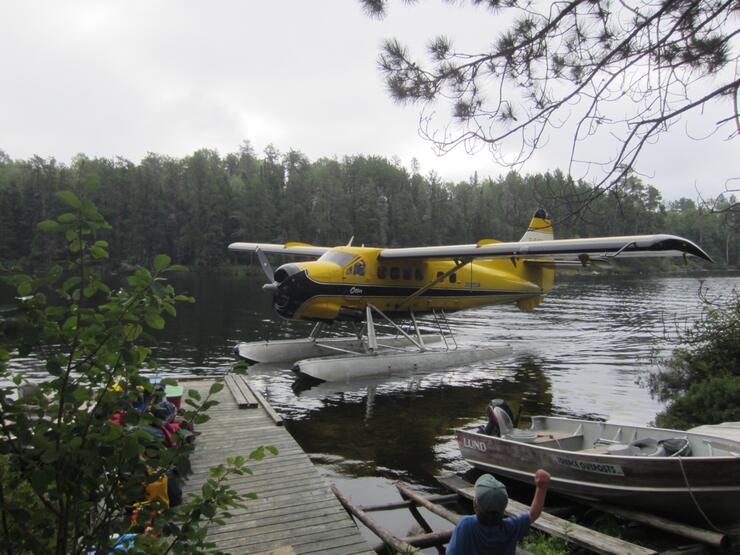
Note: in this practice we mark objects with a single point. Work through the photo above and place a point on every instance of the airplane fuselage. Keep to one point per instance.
(343, 281)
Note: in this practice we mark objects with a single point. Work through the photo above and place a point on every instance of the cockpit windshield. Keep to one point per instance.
(341, 259)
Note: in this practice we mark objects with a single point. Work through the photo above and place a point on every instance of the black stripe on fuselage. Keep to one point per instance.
(310, 289)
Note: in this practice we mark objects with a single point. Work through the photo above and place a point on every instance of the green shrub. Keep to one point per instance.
(708, 350)
(717, 400)
(69, 475)
(540, 543)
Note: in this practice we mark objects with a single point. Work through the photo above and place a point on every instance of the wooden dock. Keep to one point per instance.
(295, 511)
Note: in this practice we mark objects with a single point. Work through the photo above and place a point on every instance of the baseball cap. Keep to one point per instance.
(490, 494)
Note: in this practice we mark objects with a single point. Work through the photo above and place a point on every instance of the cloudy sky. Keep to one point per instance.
(125, 78)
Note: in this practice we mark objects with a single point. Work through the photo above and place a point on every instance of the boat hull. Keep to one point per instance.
(678, 487)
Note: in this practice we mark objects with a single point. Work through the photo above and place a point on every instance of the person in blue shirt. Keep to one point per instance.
(488, 532)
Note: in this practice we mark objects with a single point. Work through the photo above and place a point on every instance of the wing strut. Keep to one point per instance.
(459, 263)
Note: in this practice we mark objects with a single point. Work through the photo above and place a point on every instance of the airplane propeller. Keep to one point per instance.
(273, 285)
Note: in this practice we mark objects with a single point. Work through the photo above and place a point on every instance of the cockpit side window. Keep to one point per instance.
(341, 259)
(359, 268)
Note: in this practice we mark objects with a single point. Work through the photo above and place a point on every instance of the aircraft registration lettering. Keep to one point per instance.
(588, 466)
(355, 291)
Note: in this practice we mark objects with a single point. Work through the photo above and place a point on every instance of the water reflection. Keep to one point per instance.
(580, 353)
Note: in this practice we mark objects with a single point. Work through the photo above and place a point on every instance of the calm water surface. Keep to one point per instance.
(581, 353)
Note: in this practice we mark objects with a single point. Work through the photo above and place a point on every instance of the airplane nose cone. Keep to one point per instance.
(282, 287)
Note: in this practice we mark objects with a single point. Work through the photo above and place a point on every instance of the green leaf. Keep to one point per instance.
(98, 252)
(215, 388)
(178, 268)
(24, 289)
(194, 394)
(48, 225)
(161, 261)
(154, 320)
(67, 218)
(184, 298)
(71, 282)
(69, 198)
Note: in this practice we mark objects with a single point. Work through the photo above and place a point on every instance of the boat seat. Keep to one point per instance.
(543, 436)
(559, 440)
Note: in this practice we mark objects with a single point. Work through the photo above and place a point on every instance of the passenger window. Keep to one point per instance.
(360, 268)
(453, 277)
(440, 274)
(395, 272)
(407, 273)
(418, 274)
(381, 272)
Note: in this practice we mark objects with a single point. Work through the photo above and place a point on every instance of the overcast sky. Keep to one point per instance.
(125, 78)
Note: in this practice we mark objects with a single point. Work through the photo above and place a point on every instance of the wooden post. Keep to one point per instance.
(714, 539)
(424, 540)
(454, 518)
(382, 533)
(442, 499)
(420, 519)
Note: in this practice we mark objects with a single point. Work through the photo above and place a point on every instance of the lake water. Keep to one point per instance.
(581, 353)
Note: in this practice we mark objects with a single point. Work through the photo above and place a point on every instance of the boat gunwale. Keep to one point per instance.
(504, 470)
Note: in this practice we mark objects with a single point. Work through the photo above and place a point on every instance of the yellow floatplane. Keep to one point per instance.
(349, 283)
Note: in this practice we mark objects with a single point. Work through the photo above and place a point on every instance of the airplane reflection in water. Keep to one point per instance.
(378, 424)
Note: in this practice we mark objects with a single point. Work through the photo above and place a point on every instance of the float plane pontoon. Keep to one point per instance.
(362, 284)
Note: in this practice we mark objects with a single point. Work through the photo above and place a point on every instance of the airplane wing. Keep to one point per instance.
(554, 251)
(294, 249)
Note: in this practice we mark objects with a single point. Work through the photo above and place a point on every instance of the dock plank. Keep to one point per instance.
(241, 392)
(295, 508)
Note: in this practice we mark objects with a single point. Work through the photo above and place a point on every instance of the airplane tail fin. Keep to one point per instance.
(540, 228)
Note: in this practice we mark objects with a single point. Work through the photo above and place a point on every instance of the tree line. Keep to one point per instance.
(193, 207)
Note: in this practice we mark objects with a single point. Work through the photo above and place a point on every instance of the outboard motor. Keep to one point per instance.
(500, 418)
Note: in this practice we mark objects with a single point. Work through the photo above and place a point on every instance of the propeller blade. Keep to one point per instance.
(265, 265)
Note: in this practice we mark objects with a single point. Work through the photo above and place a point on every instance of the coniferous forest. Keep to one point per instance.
(191, 208)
